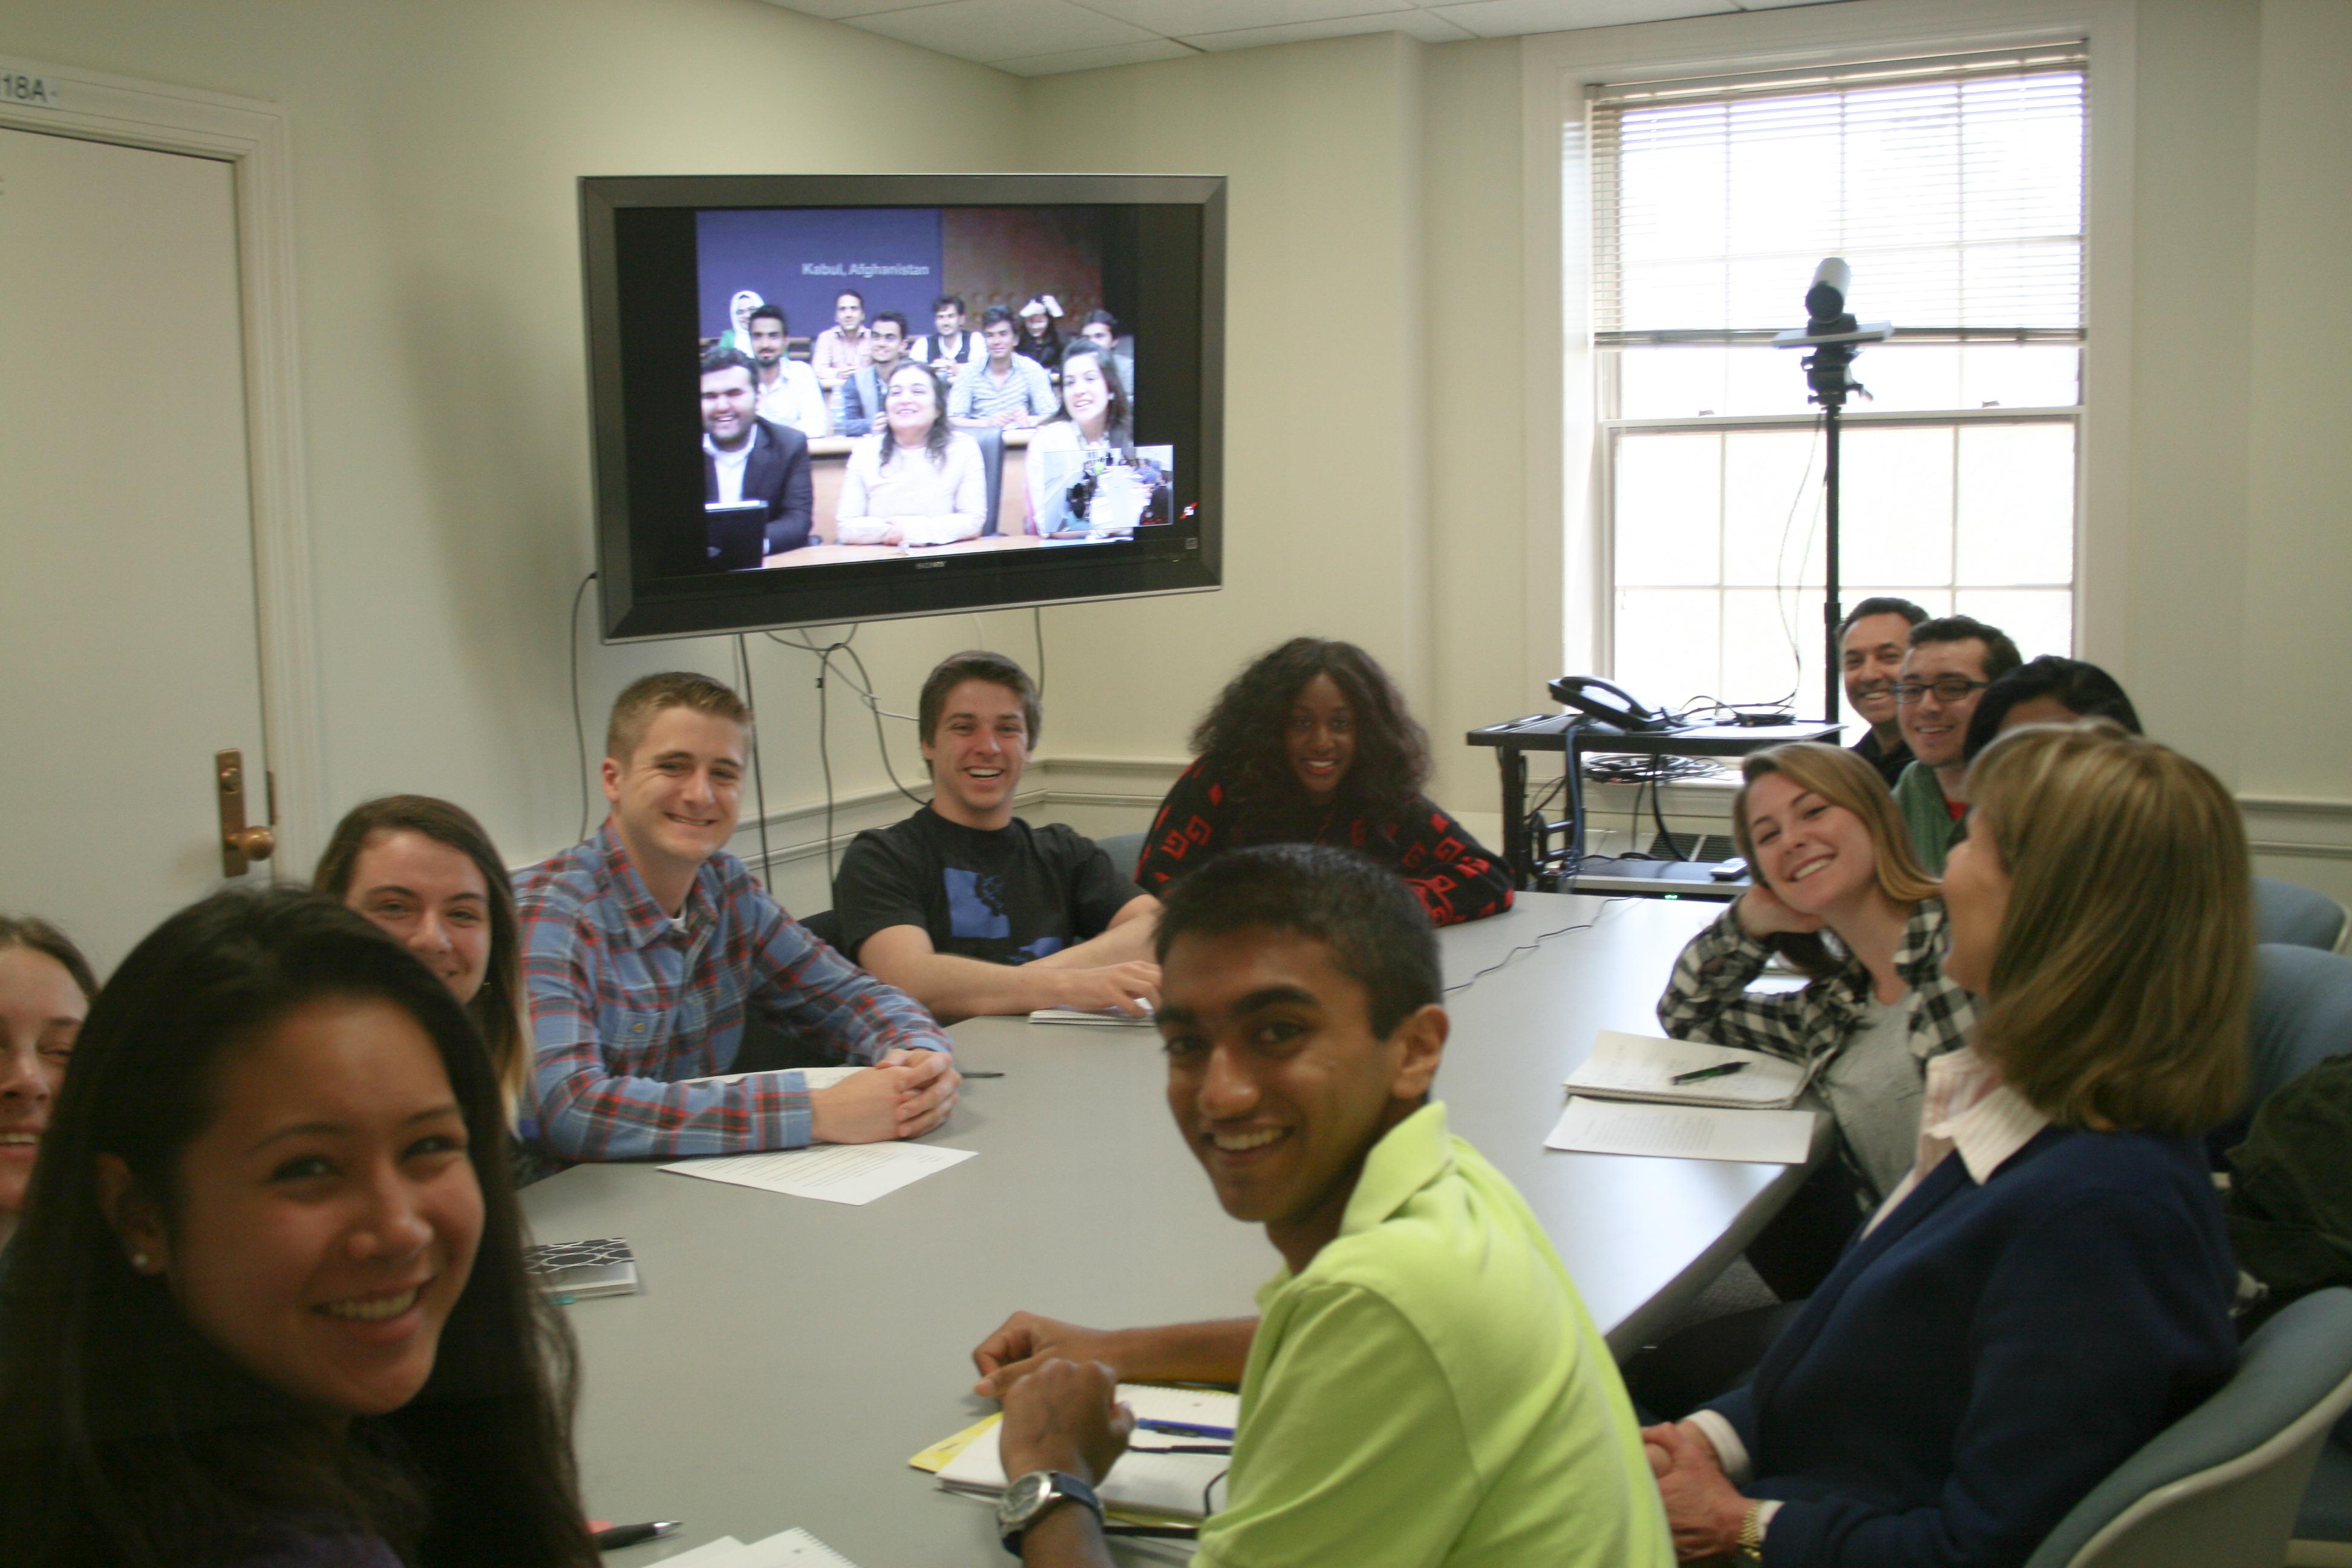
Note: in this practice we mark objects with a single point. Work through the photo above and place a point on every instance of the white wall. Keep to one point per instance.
(1383, 460)
(437, 144)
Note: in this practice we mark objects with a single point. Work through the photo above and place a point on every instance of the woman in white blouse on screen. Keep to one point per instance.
(918, 480)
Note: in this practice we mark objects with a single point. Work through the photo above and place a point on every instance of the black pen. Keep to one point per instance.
(1725, 1071)
(622, 1535)
(983, 1075)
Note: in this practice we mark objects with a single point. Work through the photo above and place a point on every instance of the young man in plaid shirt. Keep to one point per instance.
(646, 946)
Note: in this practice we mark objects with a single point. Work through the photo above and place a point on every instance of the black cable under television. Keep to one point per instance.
(701, 525)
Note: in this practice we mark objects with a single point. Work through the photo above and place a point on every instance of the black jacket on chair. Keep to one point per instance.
(777, 473)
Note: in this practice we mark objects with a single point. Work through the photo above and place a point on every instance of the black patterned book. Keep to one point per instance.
(579, 1269)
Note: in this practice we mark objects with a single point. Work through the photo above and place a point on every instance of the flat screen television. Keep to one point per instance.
(793, 426)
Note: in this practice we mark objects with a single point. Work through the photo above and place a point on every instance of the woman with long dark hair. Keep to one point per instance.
(46, 990)
(267, 1304)
(918, 480)
(1311, 743)
(1070, 457)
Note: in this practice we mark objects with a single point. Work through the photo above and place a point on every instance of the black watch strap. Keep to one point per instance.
(1064, 1487)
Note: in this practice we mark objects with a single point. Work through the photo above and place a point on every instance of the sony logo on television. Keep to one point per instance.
(19, 88)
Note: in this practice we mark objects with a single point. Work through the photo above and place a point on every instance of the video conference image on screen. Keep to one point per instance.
(886, 383)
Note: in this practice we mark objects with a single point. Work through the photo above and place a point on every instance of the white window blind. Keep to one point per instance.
(1953, 185)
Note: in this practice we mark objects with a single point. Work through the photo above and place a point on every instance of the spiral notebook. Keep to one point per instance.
(1143, 1485)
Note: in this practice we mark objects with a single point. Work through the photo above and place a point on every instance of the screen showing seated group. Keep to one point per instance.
(812, 409)
(878, 382)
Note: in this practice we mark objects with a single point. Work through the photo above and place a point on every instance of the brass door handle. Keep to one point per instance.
(240, 845)
(253, 843)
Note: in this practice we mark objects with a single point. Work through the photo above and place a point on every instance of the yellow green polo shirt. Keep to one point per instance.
(1430, 1391)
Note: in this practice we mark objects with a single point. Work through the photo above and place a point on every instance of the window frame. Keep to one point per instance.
(1569, 590)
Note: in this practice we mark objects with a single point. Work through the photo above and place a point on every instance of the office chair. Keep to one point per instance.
(2219, 1487)
(2287, 911)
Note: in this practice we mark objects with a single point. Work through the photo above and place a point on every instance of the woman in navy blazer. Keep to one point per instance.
(2049, 1288)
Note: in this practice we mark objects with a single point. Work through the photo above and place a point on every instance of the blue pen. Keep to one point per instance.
(1184, 1428)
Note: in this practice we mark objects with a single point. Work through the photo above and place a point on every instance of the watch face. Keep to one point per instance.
(1022, 1497)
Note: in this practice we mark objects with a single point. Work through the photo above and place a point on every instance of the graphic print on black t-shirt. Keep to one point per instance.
(980, 910)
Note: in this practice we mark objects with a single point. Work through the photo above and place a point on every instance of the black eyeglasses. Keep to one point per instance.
(1950, 689)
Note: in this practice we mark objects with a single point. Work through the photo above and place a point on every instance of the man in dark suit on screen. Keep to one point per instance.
(746, 458)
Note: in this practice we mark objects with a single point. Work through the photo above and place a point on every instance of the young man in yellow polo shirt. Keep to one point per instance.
(1422, 1385)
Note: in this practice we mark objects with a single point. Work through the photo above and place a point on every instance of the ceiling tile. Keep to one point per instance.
(841, 10)
(992, 30)
(1099, 58)
(1181, 18)
(1513, 19)
(1417, 24)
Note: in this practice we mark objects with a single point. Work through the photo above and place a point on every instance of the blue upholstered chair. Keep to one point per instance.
(2303, 1016)
(1123, 848)
(2284, 911)
(2218, 1488)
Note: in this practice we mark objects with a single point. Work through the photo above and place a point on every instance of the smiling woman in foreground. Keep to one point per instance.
(2047, 1288)
(267, 1307)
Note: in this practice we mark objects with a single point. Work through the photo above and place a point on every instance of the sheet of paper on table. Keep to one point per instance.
(1644, 1066)
(818, 1077)
(836, 1172)
(786, 1549)
(1683, 1131)
(1142, 1485)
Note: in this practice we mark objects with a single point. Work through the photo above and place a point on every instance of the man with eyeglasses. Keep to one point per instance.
(1952, 661)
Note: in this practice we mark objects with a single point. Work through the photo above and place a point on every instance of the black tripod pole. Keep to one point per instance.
(1831, 613)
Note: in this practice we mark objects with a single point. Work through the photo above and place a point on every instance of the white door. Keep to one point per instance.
(129, 654)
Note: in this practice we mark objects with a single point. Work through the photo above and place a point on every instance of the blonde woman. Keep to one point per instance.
(2048, 1288)
(1830, 859)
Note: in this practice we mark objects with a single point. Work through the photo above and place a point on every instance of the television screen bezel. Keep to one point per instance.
(742, 602)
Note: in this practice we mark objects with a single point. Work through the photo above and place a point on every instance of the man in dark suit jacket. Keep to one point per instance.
(746, 458)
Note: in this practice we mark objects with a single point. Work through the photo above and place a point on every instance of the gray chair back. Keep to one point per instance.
(992, 473)
(2218, 1488)
(1124, 849)
(2303, 1016)
(2288, 912)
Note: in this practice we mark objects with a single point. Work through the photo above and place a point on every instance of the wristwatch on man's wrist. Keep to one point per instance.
(1027, 1499)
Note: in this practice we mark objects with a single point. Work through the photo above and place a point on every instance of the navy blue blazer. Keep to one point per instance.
(1974, 1366)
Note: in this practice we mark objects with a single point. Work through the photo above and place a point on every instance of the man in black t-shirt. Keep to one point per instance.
(969, 910)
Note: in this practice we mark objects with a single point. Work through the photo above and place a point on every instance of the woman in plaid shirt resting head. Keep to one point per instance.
(1840, 897)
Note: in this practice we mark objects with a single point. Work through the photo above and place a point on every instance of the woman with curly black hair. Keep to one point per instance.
(1311, 743)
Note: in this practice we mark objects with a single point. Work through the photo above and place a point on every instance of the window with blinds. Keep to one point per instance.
(1953, 187)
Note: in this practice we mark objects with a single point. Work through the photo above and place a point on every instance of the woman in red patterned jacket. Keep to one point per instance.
(1312, 744)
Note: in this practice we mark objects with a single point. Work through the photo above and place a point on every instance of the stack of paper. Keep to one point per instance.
(789, 1549)
(1623, 1100)
(1144, 1486)
(1088, 1016)
(1644, 1066)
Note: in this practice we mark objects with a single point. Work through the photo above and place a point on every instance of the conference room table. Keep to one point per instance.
(786, 1356)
